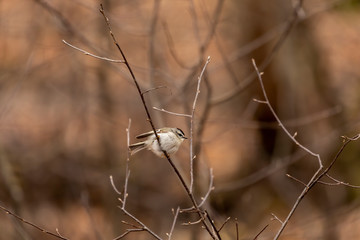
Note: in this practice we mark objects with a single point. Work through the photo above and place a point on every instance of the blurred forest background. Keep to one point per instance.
(63, 115)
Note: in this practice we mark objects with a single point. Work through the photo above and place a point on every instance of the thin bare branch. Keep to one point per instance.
(345, 138)
(210, 189)
(130, 224)
(297, 180)
(93, 55)
(172, 113)
(32, 224)
(127, 168)
(113, 185)
(276, 218)
(129, 231)
(193, 223)
(152, 89)
(215, 230)
(338, 182)
(174, 223)
(261, 231)
(58, 232)
(143, 226)
(260, 101)
(223, 225)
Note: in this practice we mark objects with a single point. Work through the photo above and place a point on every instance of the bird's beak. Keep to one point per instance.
(185, 137)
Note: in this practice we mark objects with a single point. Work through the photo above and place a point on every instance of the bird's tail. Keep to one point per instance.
(136, 147)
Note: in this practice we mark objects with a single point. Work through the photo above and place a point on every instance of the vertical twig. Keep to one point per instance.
(174, 223)
(192, 126)
(211, 188)
(204, 116)
(127, 170)
(142, 226)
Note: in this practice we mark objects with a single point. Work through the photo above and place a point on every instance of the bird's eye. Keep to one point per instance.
(180, 133)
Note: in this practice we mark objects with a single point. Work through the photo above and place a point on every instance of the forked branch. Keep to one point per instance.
(319, 173)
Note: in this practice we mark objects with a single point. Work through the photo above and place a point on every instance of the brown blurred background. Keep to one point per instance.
(63, 115)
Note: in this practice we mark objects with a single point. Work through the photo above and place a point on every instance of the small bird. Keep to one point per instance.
(170, 141)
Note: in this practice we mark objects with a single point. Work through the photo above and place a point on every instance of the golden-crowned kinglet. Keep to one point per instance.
(170, 140)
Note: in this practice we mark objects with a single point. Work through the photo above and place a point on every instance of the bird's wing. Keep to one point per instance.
(144, 135)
